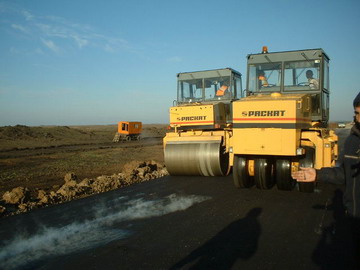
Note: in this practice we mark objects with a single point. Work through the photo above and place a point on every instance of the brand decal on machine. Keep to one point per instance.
(263, 113)
(191, 118)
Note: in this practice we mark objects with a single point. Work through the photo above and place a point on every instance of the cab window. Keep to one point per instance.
(264, 77)
(217, 87)
(302, 75)
(206, 89)
(237, 91)
(190, 91)
(326, 75)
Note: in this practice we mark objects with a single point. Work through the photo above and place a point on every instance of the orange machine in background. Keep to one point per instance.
(128, 131)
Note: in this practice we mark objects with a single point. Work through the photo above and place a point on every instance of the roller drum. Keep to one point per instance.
(196, 158)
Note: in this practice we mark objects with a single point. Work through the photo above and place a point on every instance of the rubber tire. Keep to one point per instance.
(224, 161)
(264, 178)
(241, 176)
(284, 181)
(307, 161)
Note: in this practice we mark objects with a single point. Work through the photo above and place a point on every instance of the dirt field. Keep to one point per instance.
(39, 157)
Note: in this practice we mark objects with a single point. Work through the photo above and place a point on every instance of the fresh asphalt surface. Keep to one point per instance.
(181, 223)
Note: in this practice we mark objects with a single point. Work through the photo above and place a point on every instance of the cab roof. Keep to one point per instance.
(207, 73)
(297, 55)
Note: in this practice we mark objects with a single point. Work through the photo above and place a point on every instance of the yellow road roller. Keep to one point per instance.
(283, 121)
(200, 121)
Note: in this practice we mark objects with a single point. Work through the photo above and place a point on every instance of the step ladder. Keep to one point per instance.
(116, 137)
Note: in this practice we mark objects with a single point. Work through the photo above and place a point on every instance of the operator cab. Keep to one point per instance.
(292, 72)
(210, 86)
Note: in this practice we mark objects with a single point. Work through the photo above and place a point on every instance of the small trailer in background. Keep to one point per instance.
(128, 131)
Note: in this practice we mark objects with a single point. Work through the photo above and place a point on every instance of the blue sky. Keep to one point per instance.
(99, 62)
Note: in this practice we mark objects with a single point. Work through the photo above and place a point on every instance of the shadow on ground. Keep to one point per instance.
(238, 240)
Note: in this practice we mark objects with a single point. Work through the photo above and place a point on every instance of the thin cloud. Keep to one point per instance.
(51, 45)
(81, 42)
(108, 48)
(81, 35)
(63, 33)
(51, 29)
(28, 16)
(62, 21)
(20, 28)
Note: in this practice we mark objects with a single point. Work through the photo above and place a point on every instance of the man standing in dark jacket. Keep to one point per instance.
(348, 173)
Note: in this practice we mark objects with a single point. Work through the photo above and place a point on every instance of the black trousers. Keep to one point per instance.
(354, 225)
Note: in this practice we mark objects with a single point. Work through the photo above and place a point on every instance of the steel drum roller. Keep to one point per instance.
(206, 158)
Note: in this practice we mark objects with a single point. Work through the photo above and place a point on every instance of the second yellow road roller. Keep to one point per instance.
(200, 121)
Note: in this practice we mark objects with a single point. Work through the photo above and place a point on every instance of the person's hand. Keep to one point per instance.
(304, 175)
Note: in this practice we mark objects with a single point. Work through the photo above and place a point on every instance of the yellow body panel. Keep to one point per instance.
(192, 115)
(279, 126)
(265, 141)
(265, 125)
(199, 115)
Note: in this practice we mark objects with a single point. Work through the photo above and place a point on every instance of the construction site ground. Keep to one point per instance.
(39, 157)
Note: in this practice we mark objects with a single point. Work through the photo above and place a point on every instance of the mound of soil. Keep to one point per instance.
(21, 199)
(21, 132)
(16, 132)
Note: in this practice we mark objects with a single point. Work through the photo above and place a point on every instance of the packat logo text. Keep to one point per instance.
(191, 118)
(263, 113)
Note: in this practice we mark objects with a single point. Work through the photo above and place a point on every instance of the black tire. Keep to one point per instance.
(241, 176)
(128, 138)
(308, 162)
(224, 161)
(264, 178)
(284, 181)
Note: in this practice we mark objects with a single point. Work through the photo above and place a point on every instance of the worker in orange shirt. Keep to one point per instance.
(222, 91)
(262, 79)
